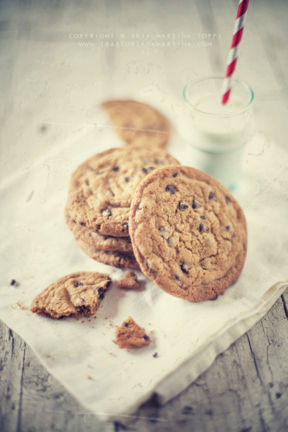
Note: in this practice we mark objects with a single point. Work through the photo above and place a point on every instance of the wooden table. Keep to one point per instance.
(55, 57)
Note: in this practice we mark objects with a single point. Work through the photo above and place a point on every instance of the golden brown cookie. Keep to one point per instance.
(131, 335)
(138, 123)
(101, 189)
(129, 281)
(112, 258)
(77, 294)
(101, 242)
(188, 233)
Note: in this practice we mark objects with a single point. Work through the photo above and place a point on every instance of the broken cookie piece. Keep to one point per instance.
(77, 294)
(131, 335)
(129, 281)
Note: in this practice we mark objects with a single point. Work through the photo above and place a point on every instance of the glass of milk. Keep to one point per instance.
(217, 134)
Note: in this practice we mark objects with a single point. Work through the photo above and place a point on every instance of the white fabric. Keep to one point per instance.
(37, 248)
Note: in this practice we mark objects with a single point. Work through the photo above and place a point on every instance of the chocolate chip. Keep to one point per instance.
(170, 189)
(162, 230)
(144, 170)
(115, 168)
(169, 240)
(82, 223)
(175, 174)
(106, 212)
(76, 284)
(211, 195)
(184, 267)
(151, 168)
(125, 324)
(195, 204)
(125, 226)
(182, 206)
(146, 337)
(201, 228)
(127, 179)
(13, 282)
(155, 355)
(227, 199)
(101, 293)
(83, 309)
(202, 217)
(150, 269)
(227, 227)
(177, 277)
(157, 161)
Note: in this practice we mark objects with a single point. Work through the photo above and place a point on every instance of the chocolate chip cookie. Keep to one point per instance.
(112, 258)
(102, 242)
(138, 123)
(77, 294)
(188, 233)
(101, 189)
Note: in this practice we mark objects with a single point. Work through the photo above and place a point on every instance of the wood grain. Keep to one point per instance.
(246, 388)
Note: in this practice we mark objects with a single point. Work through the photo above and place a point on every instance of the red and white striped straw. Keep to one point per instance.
(232, 57)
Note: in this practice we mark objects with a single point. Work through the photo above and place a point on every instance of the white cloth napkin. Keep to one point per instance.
(37, 248)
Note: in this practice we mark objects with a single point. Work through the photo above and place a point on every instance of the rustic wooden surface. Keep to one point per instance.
(246, 389)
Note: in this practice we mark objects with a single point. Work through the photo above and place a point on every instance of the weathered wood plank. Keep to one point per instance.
(31, 399)
(12, 356)
(211, 27)
(272, 30)
(244, 390)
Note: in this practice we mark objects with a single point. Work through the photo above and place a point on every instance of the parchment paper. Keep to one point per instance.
(37, 248)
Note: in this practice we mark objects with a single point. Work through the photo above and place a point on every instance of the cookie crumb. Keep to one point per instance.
(89, 377)
(155, 355)
(129, 281)
(43, 128)
(21, 306)
(131, 335)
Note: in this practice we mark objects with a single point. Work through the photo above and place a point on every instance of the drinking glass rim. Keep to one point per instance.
(215, 77)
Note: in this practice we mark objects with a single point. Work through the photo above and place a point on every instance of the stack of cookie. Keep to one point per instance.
(99, 199)
(137, 207)
(101, 189)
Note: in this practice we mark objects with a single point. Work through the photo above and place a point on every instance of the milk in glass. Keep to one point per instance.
(217, 134)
